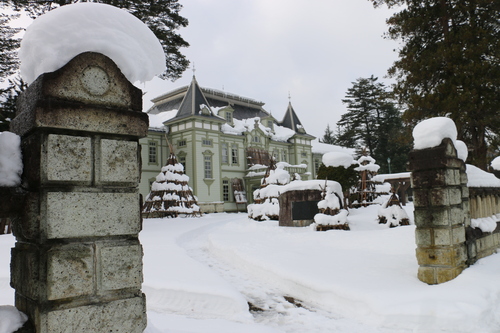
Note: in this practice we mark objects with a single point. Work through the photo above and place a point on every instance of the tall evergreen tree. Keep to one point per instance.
(373, 122)
(328, 137)
(8, 46)
(449, 65)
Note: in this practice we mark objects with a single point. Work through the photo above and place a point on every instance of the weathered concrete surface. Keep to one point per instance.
(77, 262)
(441, 197)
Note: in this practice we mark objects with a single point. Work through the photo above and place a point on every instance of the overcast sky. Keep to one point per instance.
(266, 49)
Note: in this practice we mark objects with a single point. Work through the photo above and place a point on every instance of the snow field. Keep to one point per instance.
(199, 274)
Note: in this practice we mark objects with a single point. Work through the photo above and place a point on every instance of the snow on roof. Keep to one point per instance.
(323, 148)
(280, 133)
(336, 159)
(157, 120)
(11, 164)
(56, 37)
(480, 178)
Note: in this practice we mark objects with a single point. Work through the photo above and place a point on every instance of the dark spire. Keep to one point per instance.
(291, 120)
(194, 102)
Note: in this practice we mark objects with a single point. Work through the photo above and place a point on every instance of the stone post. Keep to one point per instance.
(77, 261)
(441, 197)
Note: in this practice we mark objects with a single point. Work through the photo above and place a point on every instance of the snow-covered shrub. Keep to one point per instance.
(392, 214)
(266, 205)
(331, 215)
(170, 193)
(366, 189)
(339, 167)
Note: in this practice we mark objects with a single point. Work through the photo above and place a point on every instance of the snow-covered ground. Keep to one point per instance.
(201, 273)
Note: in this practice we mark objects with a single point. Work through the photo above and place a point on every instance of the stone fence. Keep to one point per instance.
(444, 206)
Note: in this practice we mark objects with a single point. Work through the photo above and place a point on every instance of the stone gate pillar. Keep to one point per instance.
(77, 261)
(441, 201)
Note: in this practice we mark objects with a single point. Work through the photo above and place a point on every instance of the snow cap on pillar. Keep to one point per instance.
(58, 36)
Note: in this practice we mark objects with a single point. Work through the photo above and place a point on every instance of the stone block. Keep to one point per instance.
(121, 316)
(445, 274)
(90, 119)
(439, 197)
(427, 274)
(25, 274)
(458, 234)
(82, 214)
(421, 198)
(442, 237)
(444, 256)
(423, 237)
(70, 271)
(121, 267)
(69, 158)
(457, 215)
(119, 161)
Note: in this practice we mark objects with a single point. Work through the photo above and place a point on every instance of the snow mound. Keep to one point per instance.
(462, 151)
(335, 159)
(431, 132)
(56, 37)
(11, 319)
(495, 164)
(11, 164)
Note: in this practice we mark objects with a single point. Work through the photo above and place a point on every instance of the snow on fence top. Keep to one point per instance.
(56, 37)
(480, 178)
(431, 132)
(11, 164)
(495, 164)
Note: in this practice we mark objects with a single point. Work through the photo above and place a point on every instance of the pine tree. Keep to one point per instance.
(8, 46)
(373, 122)
(8, 98)
(449, 65)
(328, 137)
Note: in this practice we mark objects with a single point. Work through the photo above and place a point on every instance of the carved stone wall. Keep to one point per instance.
(441, 200)
(77, 262)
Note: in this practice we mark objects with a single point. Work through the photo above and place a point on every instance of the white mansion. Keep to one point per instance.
(225, 142)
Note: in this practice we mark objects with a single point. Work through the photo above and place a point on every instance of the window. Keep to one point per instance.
(225, 154)
(284, 156)
(270, 124)
(229, 117)
(225, 190)
(153, 153)
(182, 160)
(256, 139)
(303, 154)
(206, 142)
(234, 154)
(317, 164)
(208, 166)
(181, 143)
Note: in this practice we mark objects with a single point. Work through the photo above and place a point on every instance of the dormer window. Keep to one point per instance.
(270, 124)
(256, 139)
(229, 117)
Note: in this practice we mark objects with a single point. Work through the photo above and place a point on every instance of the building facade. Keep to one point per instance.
(225, 143)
